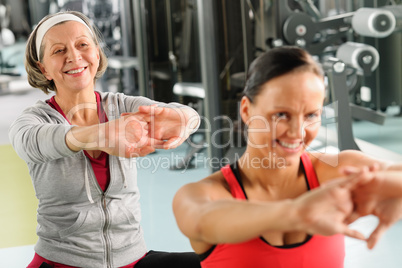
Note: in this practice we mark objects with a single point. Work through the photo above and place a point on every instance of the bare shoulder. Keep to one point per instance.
(327, 166)
(335, 160)
(213, 187)
(359, 159)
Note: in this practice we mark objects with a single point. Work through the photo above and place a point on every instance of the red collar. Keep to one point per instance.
(101, 113)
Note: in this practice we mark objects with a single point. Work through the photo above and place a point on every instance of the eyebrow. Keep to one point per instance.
(290, 108)
(78, 37)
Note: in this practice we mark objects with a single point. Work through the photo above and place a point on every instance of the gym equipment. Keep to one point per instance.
(197, 91)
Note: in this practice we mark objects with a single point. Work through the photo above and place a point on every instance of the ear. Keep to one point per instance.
(43, 70)
(245, 106)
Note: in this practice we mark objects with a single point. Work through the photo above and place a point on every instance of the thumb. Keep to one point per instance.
(376, 234)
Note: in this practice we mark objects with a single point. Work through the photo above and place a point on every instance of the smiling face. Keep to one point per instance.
(285, 116)
(70, 58)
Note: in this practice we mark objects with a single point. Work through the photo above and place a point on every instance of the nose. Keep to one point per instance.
(73, 54)
(296, 128)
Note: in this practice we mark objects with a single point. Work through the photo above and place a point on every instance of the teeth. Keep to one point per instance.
(76, 71)
(289, 145)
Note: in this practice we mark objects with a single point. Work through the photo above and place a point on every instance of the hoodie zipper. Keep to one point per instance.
(105, 213)
(105, 235)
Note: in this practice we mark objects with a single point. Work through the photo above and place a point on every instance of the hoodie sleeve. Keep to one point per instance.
(37, 139)
(130, 104)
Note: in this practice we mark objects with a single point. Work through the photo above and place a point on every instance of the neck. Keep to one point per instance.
(268, 170)
(78, 107)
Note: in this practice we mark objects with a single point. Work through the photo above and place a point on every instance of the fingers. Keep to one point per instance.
(349, 170)
(376, 234)
(146, 150)
(173, 143)
(155, 143)
(362, 175)
(137, 115)
(353, 234)
(140, 116)
(352, 217)
(348, 183)
(374, 167)
(133, 152)
(151, 109)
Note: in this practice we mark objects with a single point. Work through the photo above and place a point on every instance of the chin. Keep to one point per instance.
(289, 159)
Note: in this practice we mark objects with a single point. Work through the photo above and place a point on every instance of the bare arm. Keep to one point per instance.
(226, 220)
(395, 167)
(329, 166)
(205, 212)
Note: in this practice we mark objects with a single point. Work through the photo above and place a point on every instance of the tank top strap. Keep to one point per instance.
(235, 188)
(309, 171)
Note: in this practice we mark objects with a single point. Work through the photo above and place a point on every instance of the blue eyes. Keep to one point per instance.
(280, 115)
(283, 115)
(312, 116)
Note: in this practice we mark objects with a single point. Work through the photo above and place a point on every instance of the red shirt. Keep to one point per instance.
(99, 165)
(316, 252)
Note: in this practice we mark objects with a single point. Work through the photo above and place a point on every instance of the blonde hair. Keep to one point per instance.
(35, 77)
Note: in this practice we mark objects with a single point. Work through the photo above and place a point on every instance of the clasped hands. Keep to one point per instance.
(138, 134)
(362, 191)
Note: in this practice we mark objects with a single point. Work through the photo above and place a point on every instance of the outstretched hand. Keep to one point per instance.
(378, 195)
(169, 127)
(127, 137)
(325, 210)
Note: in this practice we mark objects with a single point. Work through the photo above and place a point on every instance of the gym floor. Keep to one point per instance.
(158, 185)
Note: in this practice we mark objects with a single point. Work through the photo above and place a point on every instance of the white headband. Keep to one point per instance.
(46, 25)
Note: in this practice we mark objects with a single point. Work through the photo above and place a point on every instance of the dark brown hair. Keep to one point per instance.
(277, 62)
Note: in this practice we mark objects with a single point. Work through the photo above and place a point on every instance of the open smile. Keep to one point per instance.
(76, 71)
(289, 146)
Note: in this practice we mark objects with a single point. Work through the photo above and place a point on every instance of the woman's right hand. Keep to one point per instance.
(325, 210)
(126, 136)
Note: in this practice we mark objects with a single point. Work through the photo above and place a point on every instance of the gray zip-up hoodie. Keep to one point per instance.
(78, 223)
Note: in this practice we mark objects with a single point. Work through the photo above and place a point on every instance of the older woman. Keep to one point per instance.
(255, 214)
(80, 146)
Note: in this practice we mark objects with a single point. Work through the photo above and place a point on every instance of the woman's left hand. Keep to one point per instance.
(379, 194)
(171, 125)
